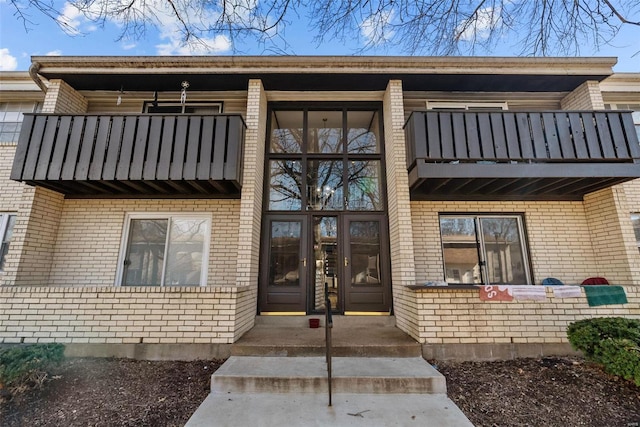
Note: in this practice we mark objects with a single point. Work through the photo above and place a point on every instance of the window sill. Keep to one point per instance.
(452, 287)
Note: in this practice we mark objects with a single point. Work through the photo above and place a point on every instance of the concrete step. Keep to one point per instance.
(309, 410)
(352, 336)
(309, 375)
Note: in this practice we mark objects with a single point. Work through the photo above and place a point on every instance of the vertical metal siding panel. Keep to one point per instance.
(617, 136)
(460, 136)
(511, 136)
(571, 149)
(473, 142)
(499, 142)
(620, 141)
(419, 136)
(153, 149)
(524, 135)
(231, 167)
(539, 145)
(590, 135)
(59, 148)
(219, 148)
(122, 172)
(446, 136)
(191, 161)
(139, 149)
(604, 136)
(86, 148)
(44, 158)
(164, 163)
(95, 170)
(632, 137)
(551, 136)
(113, 150)
(73, 150)
(433, 136)
(24, 143)
(179, 146)
(204, 164)
(622, 145)
(486, 138)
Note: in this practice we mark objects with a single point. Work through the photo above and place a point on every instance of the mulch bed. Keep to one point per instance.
(523, 392)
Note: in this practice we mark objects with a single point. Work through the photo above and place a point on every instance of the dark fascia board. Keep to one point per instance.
(293, 73)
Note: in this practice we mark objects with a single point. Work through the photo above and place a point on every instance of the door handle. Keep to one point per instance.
(346, 261)
(304, 262)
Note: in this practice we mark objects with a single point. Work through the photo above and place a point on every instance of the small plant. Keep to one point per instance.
(613, 342)
(26, 365)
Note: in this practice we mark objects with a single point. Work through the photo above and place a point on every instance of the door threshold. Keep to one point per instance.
(282, 313)
(366, 313)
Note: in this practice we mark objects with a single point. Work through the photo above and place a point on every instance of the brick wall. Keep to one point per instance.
(460, 317)
(63, 99)
(118, 315)
(560, 244)
(90, 233)
(587, 96)
(399, 209)
(632, 192)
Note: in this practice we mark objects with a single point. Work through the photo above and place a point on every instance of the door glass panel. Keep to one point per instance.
(325, 250)
(364, 248)
(285, 177)
(503, 248)
(145, 253)
(363, 132)
(325, 132)
(324, 185)
(286, 131)
(364, 186)
(184, 257)
(460, 250)
(284, 262)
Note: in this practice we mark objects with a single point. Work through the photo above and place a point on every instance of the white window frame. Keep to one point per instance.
(183, 107)
(168, 216)
(4, 222)
(635, 215)
(19, 107)
(453, 105)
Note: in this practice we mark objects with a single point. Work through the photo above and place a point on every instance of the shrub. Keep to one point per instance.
(586, 335)
(28, 364)
(613, 342)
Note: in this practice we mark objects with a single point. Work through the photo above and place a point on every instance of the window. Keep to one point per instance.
(179, 108)
(471, 106)
(635, 220)
(7, 221)
(484, 249)
(324, 159)
(164, 250)
(11, 114)
(633, 107)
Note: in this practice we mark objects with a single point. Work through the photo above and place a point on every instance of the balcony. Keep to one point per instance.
(132, 155)
(558, 155)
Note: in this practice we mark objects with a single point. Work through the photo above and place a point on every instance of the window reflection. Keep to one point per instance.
(364, 186)
(285, 181)
(324, 185)
(286, 132)
(363, 132)
(325, 131)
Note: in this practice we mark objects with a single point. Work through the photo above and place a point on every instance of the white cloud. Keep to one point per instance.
(203, 46)
(70, 20)
(129, 46)
(57, 52)
(8, 62)
(375, 28)
(480, 25)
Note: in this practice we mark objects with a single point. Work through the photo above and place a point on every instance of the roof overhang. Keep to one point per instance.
(294, 73)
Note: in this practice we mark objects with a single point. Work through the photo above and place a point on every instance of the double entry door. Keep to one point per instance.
(303, 254)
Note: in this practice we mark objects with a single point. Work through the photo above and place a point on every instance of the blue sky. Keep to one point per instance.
(44, 37)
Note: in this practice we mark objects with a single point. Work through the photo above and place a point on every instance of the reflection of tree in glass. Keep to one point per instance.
(457, 226)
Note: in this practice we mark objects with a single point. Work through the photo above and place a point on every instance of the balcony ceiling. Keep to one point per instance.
(325, 73)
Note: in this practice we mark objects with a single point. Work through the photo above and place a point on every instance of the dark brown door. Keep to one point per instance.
(284, 264)
(367, 285)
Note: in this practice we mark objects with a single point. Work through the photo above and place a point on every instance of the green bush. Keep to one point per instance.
(586, 335)
(23, 364)
(613, 342)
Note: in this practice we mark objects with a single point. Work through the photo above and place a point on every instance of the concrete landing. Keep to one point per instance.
(305, 410)
(352, 336)
(309, 375)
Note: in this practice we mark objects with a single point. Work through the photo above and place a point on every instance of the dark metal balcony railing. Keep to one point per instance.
(519, 155)
(143, 155)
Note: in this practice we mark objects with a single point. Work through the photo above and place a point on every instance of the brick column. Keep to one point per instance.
(587, 96)
(34, 236)
(399, 209)
(251, 207)
(612, 236)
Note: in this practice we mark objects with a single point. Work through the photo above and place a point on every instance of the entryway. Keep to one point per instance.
(302, 254)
